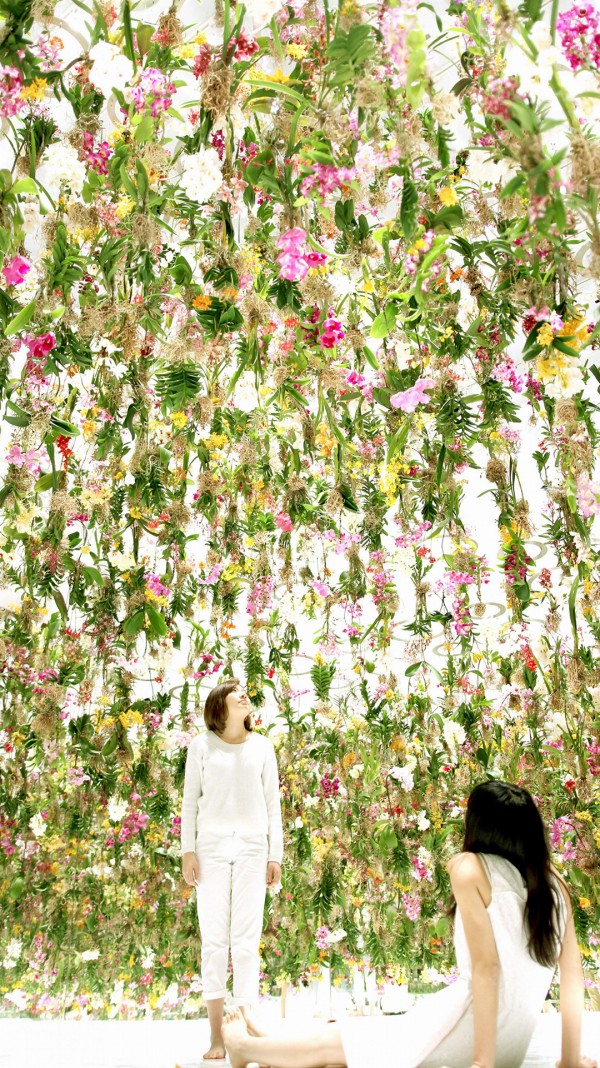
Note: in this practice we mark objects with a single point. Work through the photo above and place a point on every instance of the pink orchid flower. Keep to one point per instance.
(408, 399)
(14, 272)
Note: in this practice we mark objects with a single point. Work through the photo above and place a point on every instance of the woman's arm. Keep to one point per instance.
(192, 791)
(270, 779)
(470, 890)
(571, 992)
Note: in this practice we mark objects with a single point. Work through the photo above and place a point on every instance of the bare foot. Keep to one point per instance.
(250, 1023)
(216, 1051)
(236, 1036)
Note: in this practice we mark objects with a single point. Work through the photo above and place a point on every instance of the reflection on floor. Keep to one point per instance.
(179, 1044)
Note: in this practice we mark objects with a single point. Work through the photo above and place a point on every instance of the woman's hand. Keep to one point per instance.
(273, 873)
(191, 869)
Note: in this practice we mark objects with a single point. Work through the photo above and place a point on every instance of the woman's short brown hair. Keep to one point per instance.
(215, 712)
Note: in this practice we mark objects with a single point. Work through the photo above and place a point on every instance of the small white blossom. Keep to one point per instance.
(110, 68)
(422, 822)
(116, 809)
(38, 825)
(60, 166)
(201, 176)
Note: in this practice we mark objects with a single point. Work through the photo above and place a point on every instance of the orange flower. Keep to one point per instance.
(202, 302)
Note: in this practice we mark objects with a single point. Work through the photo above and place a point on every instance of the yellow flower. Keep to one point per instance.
(89, 429)
(125, 205)
(548, 367)
(35, 91)
(576, 330)
(297, 51)
(185, 51)
(545, 335)
(179, 419)
(584, 902)
(278, 76)
(448, 196)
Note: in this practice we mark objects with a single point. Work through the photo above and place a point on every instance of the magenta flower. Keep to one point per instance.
(15, 271)
(408, 399)
(41, 345)
(11, 83)
(332, 333)
(579, 32)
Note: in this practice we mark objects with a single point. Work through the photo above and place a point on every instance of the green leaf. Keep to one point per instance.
(144, 34)
(413, 668)
(21, 319)
(134, 624)
(24, 185)
(128, 48)
(127, 184)
(93, 575)
(157, 621)
(408, 208)
(111, 745)
(573, 609)
(144, 129)
(60, 604)
(370, 357)
(387, 837)
(512, 186)
(384, 323)
(65, 428)
(45, 482)
(283, 90)
(563, 347)
(440, 465)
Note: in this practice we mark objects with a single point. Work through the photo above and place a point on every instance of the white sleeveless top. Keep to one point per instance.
(524, 983)
(438, 1031)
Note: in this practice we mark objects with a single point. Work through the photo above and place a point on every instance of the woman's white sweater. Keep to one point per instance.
(231, 788)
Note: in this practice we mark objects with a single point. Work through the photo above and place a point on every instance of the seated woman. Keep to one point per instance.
(513, 924)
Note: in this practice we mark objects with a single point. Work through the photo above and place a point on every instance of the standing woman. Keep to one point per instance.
(514, 924)
(232, 845)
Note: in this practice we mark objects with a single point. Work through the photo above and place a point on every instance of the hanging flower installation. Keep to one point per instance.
(299, 382)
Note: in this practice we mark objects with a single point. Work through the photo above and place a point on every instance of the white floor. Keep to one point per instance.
(179, 1044)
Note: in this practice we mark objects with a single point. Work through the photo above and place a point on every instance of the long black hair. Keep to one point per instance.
(503, 819)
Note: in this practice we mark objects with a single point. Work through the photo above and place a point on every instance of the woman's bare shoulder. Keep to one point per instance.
(463, 862)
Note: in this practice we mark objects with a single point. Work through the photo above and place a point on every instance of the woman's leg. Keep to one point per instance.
(213, 895)
(248, 889)
(303, 1051)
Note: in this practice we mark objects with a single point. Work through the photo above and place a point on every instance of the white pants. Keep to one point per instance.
(231, 897)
